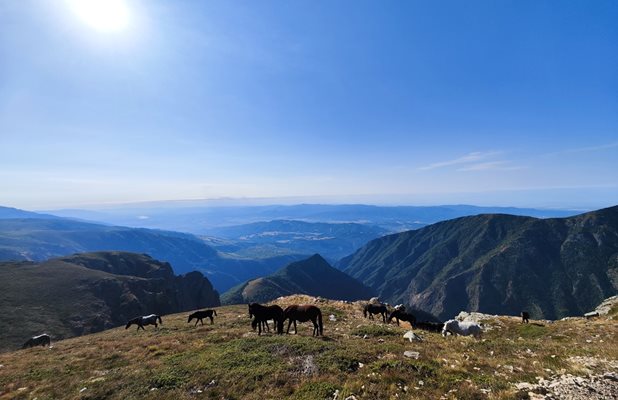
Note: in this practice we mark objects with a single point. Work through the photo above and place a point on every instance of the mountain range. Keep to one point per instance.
(496, 263)
(313, 276)
(85, 293)
(37, 239)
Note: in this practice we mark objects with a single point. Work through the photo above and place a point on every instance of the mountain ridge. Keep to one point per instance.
(496, 262)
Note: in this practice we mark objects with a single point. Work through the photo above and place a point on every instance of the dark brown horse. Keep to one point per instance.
(145, 320)
(40, 340)
(371, 309)
(262, 314)
(200, 315)
(402, 315)
(525, 317)
(304, 313)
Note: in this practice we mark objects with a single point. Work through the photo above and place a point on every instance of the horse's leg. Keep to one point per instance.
(212, 320)
(315, 326)
(295, 330)
(289, 323)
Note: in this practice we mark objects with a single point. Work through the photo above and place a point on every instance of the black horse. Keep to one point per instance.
(262, 314)
(429, 326)
(40, 340)
(525, 317)
(304, 313)
(371, 309)
(145, 320)
(199, 315)
(402, 315)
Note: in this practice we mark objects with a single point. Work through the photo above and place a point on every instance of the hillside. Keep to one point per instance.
(313, 276)
(88, 293)
(357, 357)
(37, 239)
(499, 264)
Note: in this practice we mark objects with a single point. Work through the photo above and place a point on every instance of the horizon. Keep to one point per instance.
(122, 102)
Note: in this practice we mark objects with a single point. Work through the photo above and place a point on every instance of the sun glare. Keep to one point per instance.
(102, 15)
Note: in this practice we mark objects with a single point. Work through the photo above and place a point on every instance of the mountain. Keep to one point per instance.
(87, 293)
(199, 219)
(332, 240)
(499, 264)
(313, 276)
(9, 212)
(37, 239)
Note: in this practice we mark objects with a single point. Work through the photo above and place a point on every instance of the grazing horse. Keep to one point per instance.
(145, 320)
(375, 309)
(462, 328)
(199, 315)
(304, 313)
(263, 313)
(525, 316)
(40, 340)
(402, 315)
(429, 326)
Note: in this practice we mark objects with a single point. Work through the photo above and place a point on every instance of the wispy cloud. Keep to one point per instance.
(491, 165)
(585, 149)
(466, 159)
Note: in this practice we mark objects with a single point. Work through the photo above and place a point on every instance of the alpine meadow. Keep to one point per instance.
(349, 200)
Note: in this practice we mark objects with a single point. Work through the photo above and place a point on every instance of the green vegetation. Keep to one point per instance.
(313, 276)
(496, 264)
(228, 360)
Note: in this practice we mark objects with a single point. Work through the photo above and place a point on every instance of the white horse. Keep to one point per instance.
(145, 320)
(462, 328)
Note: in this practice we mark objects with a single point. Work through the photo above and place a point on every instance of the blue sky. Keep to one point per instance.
(402, 102)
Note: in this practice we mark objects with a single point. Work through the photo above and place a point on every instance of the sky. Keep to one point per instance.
(506, 103)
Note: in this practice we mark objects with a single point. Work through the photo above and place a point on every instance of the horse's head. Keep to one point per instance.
(128, 324)
(190, 318)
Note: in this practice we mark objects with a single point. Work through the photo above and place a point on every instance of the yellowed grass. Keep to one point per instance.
(228, 360)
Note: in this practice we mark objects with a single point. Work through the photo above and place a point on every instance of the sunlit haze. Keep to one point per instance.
(403, 102)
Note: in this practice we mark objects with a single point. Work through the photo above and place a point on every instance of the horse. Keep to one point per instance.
(40, 340)
(304, 313)
(462, 328)
(402, 315)
(145, 320)
(525, 316)
(429, 326)
(263, 313)
(199, 315)
(375, 309)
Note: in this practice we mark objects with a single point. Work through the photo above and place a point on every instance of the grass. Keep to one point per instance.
(228, 360)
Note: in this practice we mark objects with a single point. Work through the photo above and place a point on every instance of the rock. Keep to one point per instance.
(332, 318)
(411, 336)
(411, 354)
(351, 398)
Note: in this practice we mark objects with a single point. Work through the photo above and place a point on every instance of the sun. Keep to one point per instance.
(102, 15)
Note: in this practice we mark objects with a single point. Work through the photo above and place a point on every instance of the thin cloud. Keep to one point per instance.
(585, 149)
(491, 165)
(468, 158)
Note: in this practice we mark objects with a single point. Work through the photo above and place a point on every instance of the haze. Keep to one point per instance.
(491, 103)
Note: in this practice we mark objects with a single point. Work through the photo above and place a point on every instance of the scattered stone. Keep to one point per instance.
(332, 318)
(82, 390)
(336, 395)
(411, 354)
(411, 336)
(351, 398)
(366, 337)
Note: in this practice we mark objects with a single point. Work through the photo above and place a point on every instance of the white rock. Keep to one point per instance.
(411, 354)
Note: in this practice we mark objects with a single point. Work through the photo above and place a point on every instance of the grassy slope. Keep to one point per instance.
(228, 360)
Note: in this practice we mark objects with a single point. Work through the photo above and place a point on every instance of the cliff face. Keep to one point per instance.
(87, 293)
(497, 264)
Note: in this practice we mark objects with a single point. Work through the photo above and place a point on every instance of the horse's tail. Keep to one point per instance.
(365, 312)
(320, 324)
(160, 320)
(215, 311)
